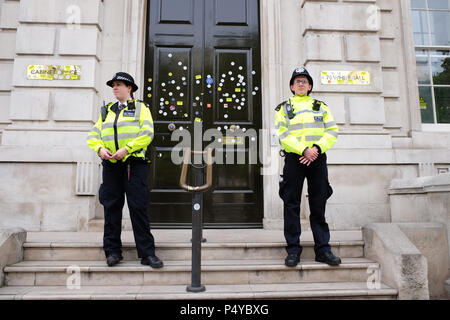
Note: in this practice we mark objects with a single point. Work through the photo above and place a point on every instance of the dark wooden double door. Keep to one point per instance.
(203, 67)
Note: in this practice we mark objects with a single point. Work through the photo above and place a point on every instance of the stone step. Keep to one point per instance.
(324, 290)
(70, 251)
(175, 245)
(97, 273)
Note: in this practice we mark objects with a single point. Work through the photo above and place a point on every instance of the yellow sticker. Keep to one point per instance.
(54, 72)
(198, 120)
(179, 103)
(166, 103)
(170, 74)
(219, 89)
(229, 99)
(423, 103)
(345, 77)
(198, 77)
(149, 95)
(150, 79)
(230, 140)
(237, 90)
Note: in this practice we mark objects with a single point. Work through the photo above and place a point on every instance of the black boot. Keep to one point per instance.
(113, 259)
(292, 260)
(328, 258)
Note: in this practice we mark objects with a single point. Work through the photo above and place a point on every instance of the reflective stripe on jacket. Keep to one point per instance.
(307, 127)
(131, 128)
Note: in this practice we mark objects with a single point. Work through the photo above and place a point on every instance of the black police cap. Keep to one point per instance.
(124, 77)
(301, 71)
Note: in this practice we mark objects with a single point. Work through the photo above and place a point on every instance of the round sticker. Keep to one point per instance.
(209, 81)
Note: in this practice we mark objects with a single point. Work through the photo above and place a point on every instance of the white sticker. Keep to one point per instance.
(170, 55)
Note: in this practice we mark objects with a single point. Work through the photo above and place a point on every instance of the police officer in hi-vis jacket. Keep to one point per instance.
(306, 130)
(120, 137)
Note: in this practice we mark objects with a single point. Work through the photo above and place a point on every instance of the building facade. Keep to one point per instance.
(378, 64)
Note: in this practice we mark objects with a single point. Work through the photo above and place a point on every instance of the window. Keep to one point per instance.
(431, 27)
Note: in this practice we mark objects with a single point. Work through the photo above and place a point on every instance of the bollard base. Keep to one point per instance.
(195, 289)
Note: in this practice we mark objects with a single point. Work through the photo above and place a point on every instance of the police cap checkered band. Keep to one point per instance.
(125, 77)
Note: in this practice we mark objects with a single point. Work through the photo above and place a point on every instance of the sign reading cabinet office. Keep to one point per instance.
(345, 77)
(53, 72)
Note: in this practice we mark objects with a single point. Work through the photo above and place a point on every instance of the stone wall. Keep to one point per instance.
(43, 124)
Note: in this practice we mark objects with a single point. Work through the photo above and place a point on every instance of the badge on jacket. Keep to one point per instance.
(318, 119)
(128, 113)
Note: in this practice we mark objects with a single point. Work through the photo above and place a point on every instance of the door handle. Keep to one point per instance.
(184, 170)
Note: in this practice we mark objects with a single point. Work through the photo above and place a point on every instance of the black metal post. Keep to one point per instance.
(197, 209)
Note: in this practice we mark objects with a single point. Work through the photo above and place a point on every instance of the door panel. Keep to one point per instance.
(203, 63)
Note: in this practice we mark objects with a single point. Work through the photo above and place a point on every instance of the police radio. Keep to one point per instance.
(289, 110)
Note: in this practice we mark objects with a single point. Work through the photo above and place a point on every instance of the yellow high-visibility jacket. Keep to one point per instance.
(131, 128)
(307, 128)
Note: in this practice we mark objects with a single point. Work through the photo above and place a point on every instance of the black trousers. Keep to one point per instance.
(319, 190)
(112, 196)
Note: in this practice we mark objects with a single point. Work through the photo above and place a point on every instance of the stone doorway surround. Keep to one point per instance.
(272, 75)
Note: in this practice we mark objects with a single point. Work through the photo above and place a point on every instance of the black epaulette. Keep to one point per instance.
(280, 105)
(104, 110)
(131, 104)
(316, 104)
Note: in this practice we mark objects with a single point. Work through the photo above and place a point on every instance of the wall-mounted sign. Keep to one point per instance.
(345, 77)
(53, 72)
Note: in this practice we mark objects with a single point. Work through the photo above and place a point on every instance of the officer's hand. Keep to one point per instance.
(304, 160)
(105, 154)
(120, 154)
(311, 154)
